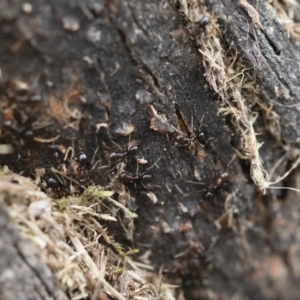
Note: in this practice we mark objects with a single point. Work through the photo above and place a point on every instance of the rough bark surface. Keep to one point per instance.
(22, 275)
(106, 62)
(273, 57)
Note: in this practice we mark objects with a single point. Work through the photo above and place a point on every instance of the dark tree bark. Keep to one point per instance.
(90, 63)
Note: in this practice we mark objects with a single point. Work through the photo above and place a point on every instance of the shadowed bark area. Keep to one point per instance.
(88, 75)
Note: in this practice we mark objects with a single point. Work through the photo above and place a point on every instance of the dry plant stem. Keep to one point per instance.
(294, 166)
(48, 225)
(252, 12)
(285, 14)
(111, 290)
(81, 250)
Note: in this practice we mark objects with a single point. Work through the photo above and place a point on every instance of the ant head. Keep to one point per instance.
(201, 138)
(28, 135)
(146, 178)
(224, 176)
(133, 151)
(52, 183)
(203, 21)
(145, 181)
(208, 196)
(82, 159)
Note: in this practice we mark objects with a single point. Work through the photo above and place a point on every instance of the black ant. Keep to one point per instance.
(219, 182)
(127, 177)
(25, 135)
(20, 91)
(52, 183)
(121, 155)
(203, 21)
(182, 139)
(83, 169)
(199, 28)
(54, 186)
(57, 188)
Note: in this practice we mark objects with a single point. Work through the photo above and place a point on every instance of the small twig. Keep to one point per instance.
(252, 13)
(40, 140)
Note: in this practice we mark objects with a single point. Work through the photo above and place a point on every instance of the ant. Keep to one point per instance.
(57, 188)
(52, 183)
(127, 177)
(83, 168)
(77, 168)
(199, 28)
(182, 139)
(203, 21)
(54, 187)
(25, 135)
(219, 182)
(144, 179)
(121, 155)
(20, 91)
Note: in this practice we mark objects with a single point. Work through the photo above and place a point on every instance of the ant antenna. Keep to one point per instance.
(201, 122)
(94, 155)
(232, 160)
(137, 168)
(96, 164)
(194, 182)
(59, 179)
(117, 145)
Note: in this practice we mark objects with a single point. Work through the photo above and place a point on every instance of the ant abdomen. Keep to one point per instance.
(133, 151)
(203, 21)
(82, 159)
(146, 178)
(52, 183)
(114, 156)
(201, 138)
(127, 177)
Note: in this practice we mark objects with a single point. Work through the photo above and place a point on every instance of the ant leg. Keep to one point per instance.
(201, 123)
(94, 156)
(154, 163)
(232, 160)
